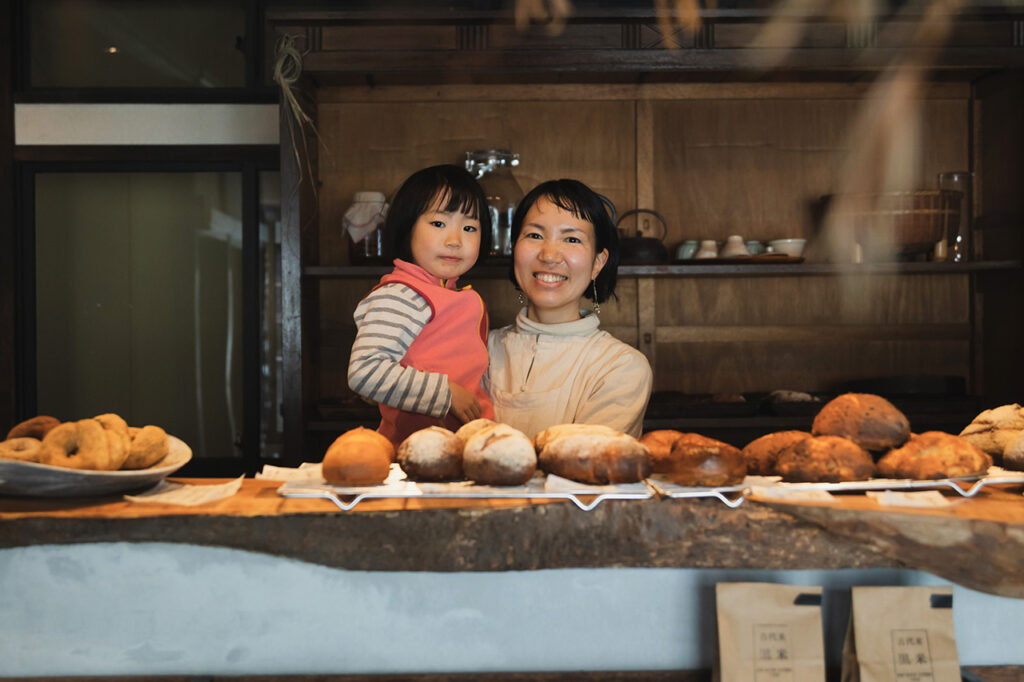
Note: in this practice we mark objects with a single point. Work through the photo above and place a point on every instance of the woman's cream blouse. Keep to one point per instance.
(541, 375)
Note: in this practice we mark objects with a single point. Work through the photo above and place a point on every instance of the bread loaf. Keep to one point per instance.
(593, 454)
(697, 460)
(993, 430)
(870, 421)
(659, 443)
(469, 429)
(762, 453)
(358, 457)
(547, 435)
(499, 455)
(1013, 455)
(431, 454)
(934, 455)
(825, 459)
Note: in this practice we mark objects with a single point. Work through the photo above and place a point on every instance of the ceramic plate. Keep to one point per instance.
(43, 480)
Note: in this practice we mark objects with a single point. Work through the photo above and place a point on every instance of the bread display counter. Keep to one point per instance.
(860, 490)
(852, 531)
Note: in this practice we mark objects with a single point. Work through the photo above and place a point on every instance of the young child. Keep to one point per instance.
(421, 346)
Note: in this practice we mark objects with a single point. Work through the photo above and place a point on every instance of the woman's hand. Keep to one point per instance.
(464, 406)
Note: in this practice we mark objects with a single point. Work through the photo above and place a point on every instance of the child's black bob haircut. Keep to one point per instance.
(457, 189)
(586, 204)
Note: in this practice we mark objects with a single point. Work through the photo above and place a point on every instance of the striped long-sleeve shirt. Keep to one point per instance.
(388, 320)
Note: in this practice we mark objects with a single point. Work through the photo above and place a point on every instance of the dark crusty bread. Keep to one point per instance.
(761, 453)
(994, 430)
(934, 455)
(825, 459)
(596, 455)
(660, 442)
(431, 454)
(358, 457)
(870, 421)
(697, 460)
(499, 455)
(1013, 455)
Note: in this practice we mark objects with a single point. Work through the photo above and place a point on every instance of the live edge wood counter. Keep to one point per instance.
(977, 542)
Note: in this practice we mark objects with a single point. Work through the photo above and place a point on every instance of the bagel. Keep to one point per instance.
(118, 440)
(149, 445)
(36, 427)
(22, 449)
(77, 445)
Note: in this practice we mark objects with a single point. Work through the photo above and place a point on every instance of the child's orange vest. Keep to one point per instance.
(454, 342)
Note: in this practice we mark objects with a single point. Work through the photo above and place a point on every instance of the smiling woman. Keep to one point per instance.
(554, 366)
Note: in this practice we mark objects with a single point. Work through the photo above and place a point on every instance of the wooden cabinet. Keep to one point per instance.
(716, 145)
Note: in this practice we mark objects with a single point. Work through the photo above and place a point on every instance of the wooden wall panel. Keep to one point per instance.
(754, 167)
(371, 146)
(733, 367)
(808, 333)
(814, 300)
(714, 166)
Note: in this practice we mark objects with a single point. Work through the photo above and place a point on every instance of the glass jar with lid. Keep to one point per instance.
(493, 168)
(363, 222)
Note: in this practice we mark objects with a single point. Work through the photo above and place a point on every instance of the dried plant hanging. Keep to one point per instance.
(684, 14)
(287, 69)
(553, 14)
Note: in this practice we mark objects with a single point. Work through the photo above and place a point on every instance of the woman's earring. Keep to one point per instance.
(597, 306)
(519, 295)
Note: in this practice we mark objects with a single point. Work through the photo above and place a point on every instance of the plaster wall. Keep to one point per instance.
(152, 608)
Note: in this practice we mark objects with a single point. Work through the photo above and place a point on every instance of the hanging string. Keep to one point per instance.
(287, 69)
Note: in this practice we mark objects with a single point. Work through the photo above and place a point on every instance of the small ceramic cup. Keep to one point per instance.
(686, 250)
(734, 247)
(708, 249)
(755, 248)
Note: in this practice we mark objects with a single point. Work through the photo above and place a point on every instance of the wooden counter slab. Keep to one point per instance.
(977, 542)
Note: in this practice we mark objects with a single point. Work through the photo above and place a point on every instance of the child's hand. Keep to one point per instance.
(465, 406)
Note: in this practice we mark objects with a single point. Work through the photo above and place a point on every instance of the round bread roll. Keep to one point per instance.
(761, 453)
(993, 430)
(146, 447)
(593, 454)
(697, 460)
(36, 427)
(547, 435)
(431, 454)
(660, 442)
(499, 455)
(870, 421)
(825, 459)
(934, 455)
(358, 457)
(77, 445)
(1013, 455)
(21, 449)
(471, 428)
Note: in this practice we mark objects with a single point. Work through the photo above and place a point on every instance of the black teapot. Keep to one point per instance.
(635, 249)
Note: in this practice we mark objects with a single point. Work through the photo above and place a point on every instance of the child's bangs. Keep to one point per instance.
(454, 198)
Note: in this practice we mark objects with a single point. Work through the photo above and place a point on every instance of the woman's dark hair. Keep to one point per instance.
(586, 204)
(458, 191)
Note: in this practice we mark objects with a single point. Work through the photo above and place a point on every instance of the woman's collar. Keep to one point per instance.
(586, 325)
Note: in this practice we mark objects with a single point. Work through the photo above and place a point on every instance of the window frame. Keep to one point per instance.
(250, 162)
(254, 91)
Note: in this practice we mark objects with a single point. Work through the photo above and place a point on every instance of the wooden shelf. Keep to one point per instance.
(705, 270)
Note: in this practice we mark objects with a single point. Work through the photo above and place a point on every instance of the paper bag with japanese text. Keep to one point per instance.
(901, 634)
(768, 633)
